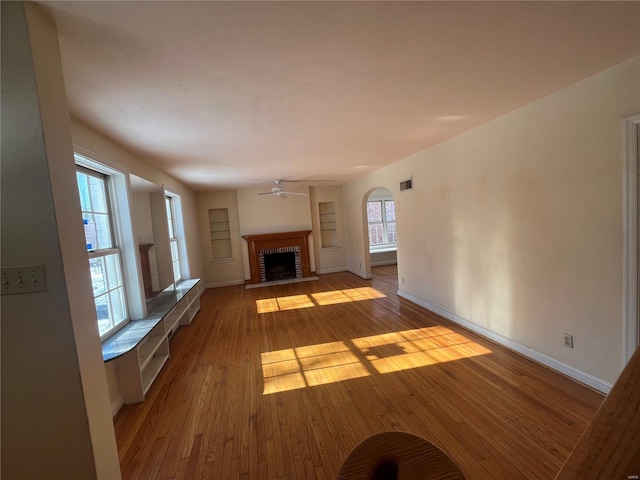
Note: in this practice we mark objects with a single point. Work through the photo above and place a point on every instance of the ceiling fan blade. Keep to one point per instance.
(263, 194)
(295, 193)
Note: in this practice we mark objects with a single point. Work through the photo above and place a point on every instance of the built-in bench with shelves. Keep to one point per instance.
(141, 348)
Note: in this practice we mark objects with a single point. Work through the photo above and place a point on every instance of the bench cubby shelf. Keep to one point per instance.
(141, 348)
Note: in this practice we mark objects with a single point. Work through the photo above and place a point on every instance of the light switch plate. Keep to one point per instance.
(26, 279)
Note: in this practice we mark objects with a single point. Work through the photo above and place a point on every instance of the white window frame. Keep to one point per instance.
(385, 246)
(174, 245)
(103, 253)
(122, 229)
(179, 237)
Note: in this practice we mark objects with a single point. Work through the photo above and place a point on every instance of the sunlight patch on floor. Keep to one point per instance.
(309, 366)
(397, 351)
(276, 304)
(292, 302)
(349, 295)
(324, 363)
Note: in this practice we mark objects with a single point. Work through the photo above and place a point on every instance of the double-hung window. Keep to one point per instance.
(381, 216)
(105, 262)
(173, 237)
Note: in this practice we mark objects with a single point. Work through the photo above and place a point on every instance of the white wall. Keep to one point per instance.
(55, 413)
(222, 272)
(249, 214)
(271, 214)
(383, 258)
(516, 226)
(141, 218)
(95, 146)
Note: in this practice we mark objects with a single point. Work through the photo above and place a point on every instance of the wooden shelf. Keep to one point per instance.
(152, 370)
(148, 348)
(220, 233)
(328, 224)
(171, 321)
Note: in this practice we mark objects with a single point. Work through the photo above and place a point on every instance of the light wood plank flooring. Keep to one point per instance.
(282, 382)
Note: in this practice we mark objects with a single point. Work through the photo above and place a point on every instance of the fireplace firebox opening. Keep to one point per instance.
(280, 266)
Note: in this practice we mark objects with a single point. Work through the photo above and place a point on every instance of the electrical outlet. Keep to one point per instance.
(568, 340)
(27, 279)
(403, 280)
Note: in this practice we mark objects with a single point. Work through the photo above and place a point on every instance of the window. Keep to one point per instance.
(173, 237)
(381, 216)
(105, 261)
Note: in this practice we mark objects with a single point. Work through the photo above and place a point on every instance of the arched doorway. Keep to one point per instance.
(380, 233)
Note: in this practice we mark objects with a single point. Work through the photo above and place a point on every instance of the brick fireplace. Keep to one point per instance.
(278, 256)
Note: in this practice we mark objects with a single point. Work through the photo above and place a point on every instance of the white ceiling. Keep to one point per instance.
(227, 94)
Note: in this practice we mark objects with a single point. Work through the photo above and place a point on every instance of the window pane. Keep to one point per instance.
(390, 211)
(90, 234)
(114, 276)
(374, 211)
(97, 192)
(169, 217)
(174, 250)
(391, 232)
(175, 258)
(376, 236)
(103, 231)
(176, 271)
(102, 309)
(83, 190)
(118, 309)
(98, 276)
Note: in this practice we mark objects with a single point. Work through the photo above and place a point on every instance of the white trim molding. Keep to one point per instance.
(331, 270)
(534, 355)
(366, 276)
(228, 283)
(386, 262)
(116, 405)
(630, 334)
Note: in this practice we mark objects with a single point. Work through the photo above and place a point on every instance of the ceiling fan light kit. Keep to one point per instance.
(279, 191)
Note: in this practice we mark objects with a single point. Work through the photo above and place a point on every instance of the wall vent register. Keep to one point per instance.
(406, 184)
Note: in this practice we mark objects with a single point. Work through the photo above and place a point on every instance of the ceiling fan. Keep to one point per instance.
(279, 191)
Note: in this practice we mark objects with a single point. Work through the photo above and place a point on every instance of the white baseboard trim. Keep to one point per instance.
(331, 270)
(380, 264)
(360, 274)
(228, 283)
(530, 353)
(116, 405)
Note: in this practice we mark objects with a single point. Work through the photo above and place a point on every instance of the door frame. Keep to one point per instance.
(631, 327)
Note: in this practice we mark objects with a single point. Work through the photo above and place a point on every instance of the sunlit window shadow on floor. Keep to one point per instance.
(344, 296)
(392, 352)
(312, 365)
(276, 304)
(292, 302)
(309, 366)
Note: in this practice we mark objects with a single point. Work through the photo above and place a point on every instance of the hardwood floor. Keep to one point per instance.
(282, 382)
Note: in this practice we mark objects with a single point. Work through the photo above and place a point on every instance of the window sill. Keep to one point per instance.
(387, 248)
(223, 260)
(134, 331)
